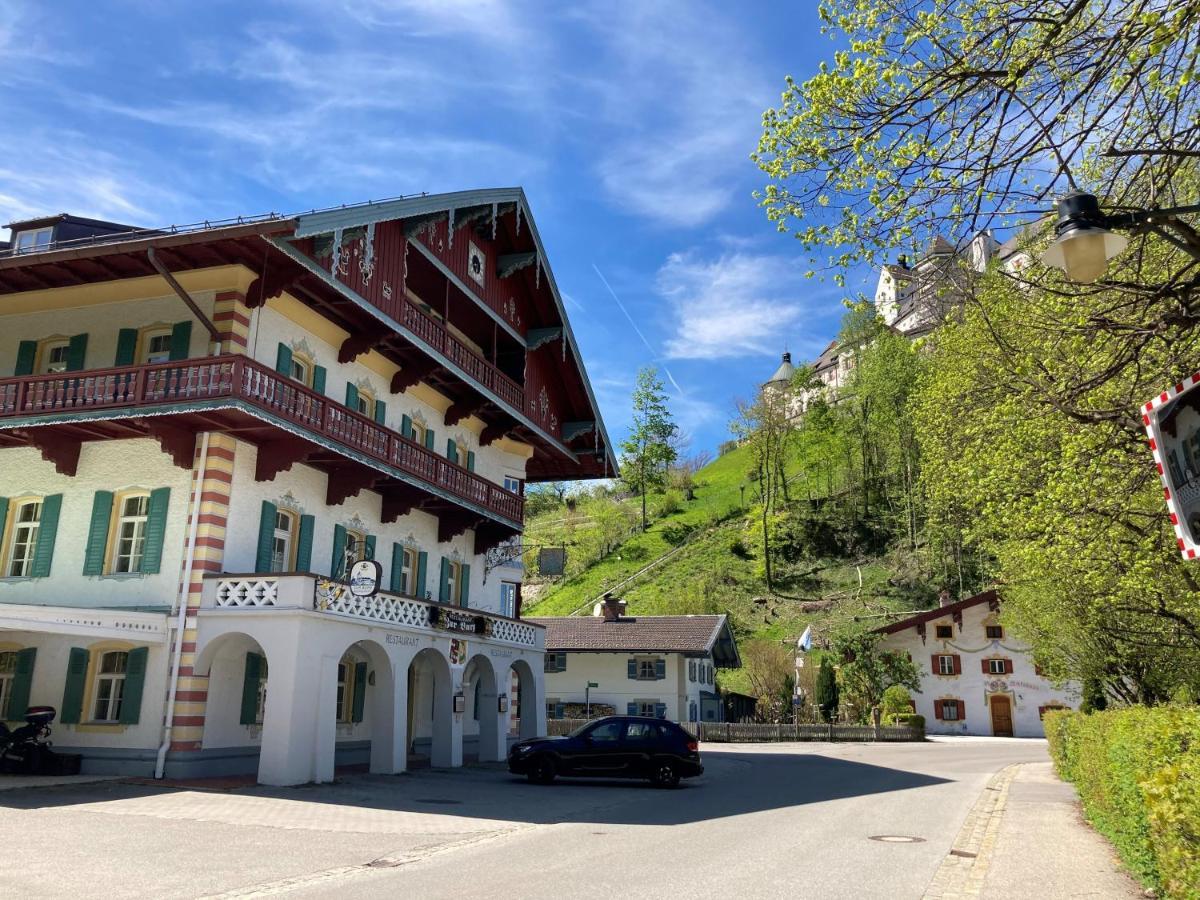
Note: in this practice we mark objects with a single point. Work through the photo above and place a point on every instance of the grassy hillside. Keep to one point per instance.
(705, 561)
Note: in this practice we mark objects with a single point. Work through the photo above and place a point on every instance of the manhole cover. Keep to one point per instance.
(439, 801)
(897, 839)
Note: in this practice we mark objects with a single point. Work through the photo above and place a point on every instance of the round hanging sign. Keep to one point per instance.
(365, 576)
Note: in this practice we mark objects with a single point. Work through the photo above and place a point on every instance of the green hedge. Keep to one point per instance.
(1138, 774)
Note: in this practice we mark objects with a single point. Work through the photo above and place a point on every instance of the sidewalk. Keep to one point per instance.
(1026, 837)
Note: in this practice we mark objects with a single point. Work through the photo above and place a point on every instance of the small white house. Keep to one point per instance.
(975, 677)
(661, 666)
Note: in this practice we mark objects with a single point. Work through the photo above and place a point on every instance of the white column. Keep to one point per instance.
(298, 728)
(493, 724)
(446, 751)
(389, 721)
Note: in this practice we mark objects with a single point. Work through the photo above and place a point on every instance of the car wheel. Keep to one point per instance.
(663, 774)
(542, 771)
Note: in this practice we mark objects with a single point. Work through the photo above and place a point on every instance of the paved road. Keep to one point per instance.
(785, 820)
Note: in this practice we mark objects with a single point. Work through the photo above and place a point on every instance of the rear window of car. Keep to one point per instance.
(643, 731)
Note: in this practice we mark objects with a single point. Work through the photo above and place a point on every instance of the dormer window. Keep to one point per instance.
(33, 241)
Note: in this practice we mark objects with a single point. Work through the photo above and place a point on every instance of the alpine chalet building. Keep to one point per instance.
(203, 429)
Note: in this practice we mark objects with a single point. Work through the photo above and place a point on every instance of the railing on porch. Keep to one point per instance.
(241, 378)
(311, 592)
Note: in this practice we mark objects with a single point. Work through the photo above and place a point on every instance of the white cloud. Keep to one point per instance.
(736, 304)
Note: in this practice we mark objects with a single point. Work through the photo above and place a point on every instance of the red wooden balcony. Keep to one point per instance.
(192, 385)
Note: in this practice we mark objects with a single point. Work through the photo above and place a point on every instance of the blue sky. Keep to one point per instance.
(629, 126)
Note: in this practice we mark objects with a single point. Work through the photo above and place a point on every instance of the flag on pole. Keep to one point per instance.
(805, 642)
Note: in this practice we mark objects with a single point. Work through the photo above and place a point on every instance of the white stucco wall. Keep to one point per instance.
(50, 678)
(1026, 689)
(103, 465)
(610, 671)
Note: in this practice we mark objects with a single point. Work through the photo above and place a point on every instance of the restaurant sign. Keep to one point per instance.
(461, 622)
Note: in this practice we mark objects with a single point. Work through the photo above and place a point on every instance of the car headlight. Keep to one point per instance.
(523, 749)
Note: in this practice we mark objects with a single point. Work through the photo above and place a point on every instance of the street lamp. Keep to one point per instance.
(1084, 242)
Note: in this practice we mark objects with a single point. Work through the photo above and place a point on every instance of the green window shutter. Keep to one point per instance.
(370, 546)
(465, 584)
(47, 530)
(422, 566)
(304, 544)
(250, 682)
(660, 710)
(283, 360)
(631, 709)
(660, 669)
(352, 397)
(76, 352)
(470, 460)
(156, 529)
(26, 358)
(380, 412)
(338, 560)
(266, 537)
(318, 384)
(631, 668)
(97, 542)
(406, 426)
(18, 698)
(451, 450)
(429, 438)
(126, 347)
(397, 579)
(72, 702)
(3, 517)
(444, 587)
(135, 682)
(181, 339)
(360, 692)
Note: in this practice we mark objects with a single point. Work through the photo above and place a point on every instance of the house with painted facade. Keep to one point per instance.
(662, 666)
(202, 429)
(976, 678)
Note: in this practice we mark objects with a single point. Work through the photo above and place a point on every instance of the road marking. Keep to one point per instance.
(965, 867)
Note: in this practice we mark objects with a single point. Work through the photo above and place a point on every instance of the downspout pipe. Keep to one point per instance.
(183, 295)
(181, 618)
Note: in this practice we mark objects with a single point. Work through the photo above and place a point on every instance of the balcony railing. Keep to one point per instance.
(241, 378)
(311, 592)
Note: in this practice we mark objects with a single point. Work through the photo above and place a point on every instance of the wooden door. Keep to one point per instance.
(1001, 716)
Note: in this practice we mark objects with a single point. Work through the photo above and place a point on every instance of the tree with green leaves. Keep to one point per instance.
(867, 671)
(827, 691)
(764, 426)
(650, 448)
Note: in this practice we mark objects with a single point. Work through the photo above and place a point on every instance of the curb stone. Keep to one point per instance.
(965, 867)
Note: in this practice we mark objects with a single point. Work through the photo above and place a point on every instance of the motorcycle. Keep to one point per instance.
(26, 749)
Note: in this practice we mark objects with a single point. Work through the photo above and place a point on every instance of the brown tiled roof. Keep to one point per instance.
(652, 634)
(939, 612)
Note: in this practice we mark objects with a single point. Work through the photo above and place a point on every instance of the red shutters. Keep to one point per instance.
(939, 709)
(936, 669)
(962, 711)
(987, 666)
(935, 662)
(1008, 667)
(957, 664)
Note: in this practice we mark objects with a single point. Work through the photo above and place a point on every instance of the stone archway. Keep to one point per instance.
(481, 693)
(530, 701)
(237, 668)
(431, 720)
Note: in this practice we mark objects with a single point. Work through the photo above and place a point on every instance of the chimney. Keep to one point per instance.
(611, 608)
(944, 598)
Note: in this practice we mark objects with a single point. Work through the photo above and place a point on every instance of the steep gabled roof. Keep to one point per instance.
(940, 612)
(643, 634)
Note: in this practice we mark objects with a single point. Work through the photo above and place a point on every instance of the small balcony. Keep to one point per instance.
(303, 591)
(237, 395)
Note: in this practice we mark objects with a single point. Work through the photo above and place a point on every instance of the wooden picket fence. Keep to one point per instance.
(754, 732)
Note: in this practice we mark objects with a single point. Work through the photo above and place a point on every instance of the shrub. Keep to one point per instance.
(1138, 774)
(677, 532)
(897, 701)
(911, 719)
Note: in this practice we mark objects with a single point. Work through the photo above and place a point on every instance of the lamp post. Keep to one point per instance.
(1084, 240)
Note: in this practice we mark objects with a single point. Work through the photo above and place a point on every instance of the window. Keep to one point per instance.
(553, 708)
(554, 662)
(356, 548)
(945, 631)
(418, 432)
(692, 670)
(646, 670)
(364, 403)
(514, 484)
(997, 666)
(945, 665)
(26, 523)
(53, 356)
(606, 733)
(110, 686)
(508, 599)
(130, 545)
(949, 710)
(641, 732)
(301, 371)
(8, 673)
(260, 703)
(408, 571)
(994, 632)
(453, 582)
(283, 541)
(349, 700)
(647, 708)
(32, 241)
(156, 346)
